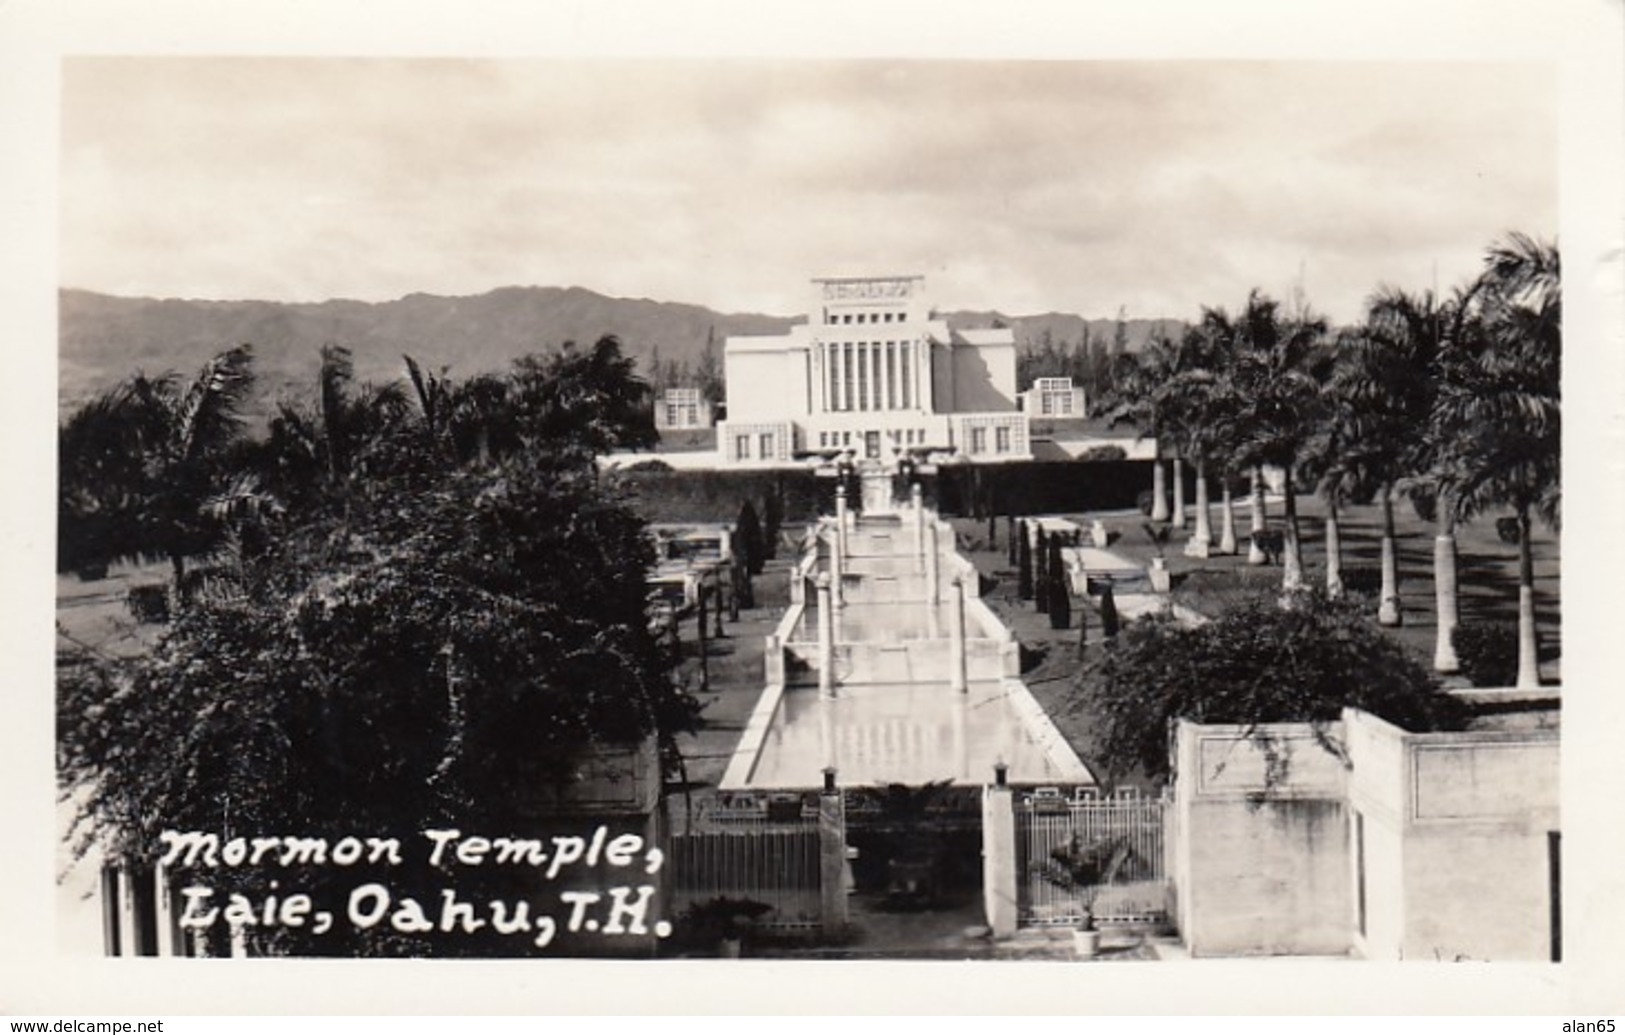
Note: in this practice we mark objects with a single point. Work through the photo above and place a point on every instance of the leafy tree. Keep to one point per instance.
(773, 519)
(1060, 603)
(1136, 399)
(1041, 572)
(1200, 408)
(146, 466)
(1110, 624)
(576, 404)
(709, 373)
(1280, 365)
(313, 451)
(1386, 379)
(1499, 411)
(750, 538)
(1024, 565)
(438, 659)
(1258, 663)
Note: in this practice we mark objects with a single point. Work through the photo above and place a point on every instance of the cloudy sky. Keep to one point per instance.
(1019, 185)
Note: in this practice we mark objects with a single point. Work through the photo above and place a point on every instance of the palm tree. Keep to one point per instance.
(1387, 375)
(1136, 379)
(1280, 365)
(1200, 408)
(318, 450)
(1498, 418)
(1337, 461)
(182, 435)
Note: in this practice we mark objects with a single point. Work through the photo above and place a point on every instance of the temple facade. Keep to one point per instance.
(872, 374)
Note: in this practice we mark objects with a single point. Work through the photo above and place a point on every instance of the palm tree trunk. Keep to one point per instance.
(1178, 516)
(1447, 605)
(1227, 524)
(1255, 555)
(1292, 562)
(1201, 541)
(1528, 643)
(1334, 552)
(1159, 489)
(179, 594)
(1388, 610)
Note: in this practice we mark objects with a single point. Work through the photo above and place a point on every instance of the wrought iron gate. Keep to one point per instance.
(1092, 854)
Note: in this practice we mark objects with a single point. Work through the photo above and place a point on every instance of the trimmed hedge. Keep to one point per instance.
(962, 490)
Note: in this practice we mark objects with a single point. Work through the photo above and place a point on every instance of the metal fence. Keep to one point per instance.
(775, 865)
(1103, 856)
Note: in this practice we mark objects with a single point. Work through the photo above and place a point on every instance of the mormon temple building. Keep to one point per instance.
(871, 373)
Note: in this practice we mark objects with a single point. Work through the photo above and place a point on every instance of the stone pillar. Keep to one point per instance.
(933, 566)
(957, 662)
(112, 906)
(832, 904)
(916, 499)
(144, 904)
(840, 511)
(826, 639)
(999, 855)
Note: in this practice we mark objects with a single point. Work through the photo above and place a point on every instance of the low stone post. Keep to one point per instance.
(917, 503)
(840, 516)
(999, 854)
(112, 932)
(933, 572)
(832, 904)
(957, 663)
(144, 905)
(837, 568)
(826, 639)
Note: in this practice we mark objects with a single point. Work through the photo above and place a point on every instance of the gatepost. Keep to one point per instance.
(999, 854)
(832, 856)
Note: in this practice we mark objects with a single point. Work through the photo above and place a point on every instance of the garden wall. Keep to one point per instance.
(1259, 877)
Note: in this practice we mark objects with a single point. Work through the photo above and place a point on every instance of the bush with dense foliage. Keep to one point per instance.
(1488, 653)
(1259, 663)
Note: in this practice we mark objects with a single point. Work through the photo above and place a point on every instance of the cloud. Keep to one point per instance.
(1162, 186)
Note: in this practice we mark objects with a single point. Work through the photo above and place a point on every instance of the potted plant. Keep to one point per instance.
(1161, 579)
(1086, 937)
(723, 922)
(1082, 870)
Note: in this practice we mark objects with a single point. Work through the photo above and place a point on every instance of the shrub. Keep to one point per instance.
(1488, 653)
(1145, 500)
(1507, 528)
(1258, 663)
(1272, 542)
(1362, 580)
(149, 604)
(1102, 454)
(649, 465)
(1426, 506)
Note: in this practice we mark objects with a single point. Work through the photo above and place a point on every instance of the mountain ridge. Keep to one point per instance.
(104, 338)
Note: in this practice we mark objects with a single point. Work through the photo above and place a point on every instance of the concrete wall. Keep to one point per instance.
(1456, 853)
(1260, 877)
(765, 384)
(1426, 846)
(984, 378)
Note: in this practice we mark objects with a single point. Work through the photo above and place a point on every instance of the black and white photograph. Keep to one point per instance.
(1093, 508)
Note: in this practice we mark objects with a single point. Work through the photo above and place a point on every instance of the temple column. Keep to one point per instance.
(885, 376)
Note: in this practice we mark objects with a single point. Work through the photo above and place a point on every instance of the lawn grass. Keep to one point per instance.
(1487, 568)
(1053, 664)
